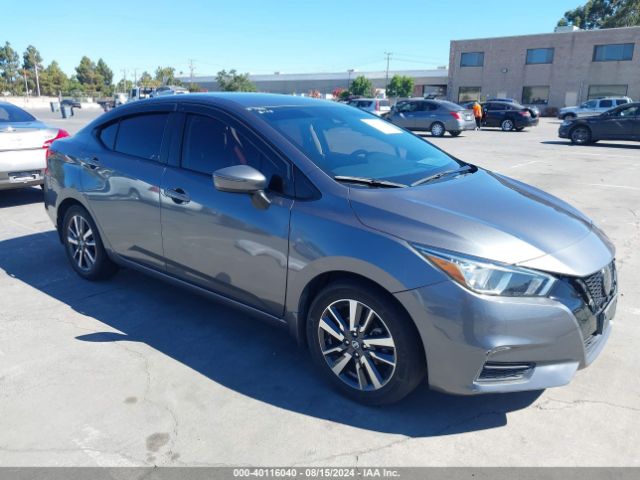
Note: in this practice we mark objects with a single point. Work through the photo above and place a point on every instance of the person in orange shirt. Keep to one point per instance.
(477, 112)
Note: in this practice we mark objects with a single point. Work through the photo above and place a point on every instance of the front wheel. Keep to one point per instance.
(507, 125)
(437, 129)
(580, 136)
(84, 246)
(364, 344)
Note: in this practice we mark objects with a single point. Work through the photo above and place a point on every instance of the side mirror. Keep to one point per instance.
(243, 179)
(239, 179)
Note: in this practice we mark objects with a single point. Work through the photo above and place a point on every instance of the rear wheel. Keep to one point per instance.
(84, 246)
(507, 125)
(581, 135)
(519, 129)
(437, 129)
(455, 133)
(364, 344)
(569, 116)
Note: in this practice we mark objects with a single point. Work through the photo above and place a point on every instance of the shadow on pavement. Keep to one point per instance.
(593, 145)
(20, 196)
(234, 350)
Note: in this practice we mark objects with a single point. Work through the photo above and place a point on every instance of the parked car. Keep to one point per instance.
(69, 102)
(507, 116)
(533, 110)
(169, 90)
(592, 107)
(435, 116)
(387, 257)
(24, 142)
(377, 106)
(619, 123)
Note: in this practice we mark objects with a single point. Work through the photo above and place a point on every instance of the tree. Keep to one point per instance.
(146, 80)
(53, 80)
(103, 70)
(233, 81)
(361, 86)
(9, 69)
(597, 14)
(166, 76)
(400, 86)
(88, 76)
(32, 66)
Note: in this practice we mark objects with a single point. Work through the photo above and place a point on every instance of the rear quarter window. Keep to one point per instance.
(107, 135)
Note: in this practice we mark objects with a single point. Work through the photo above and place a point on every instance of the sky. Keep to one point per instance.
(289, 36)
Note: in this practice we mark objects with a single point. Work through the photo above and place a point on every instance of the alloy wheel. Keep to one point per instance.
(81, 243)
(507, 125)
(580, 135)
(357, 345)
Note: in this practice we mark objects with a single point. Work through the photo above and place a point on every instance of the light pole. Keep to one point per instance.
(350, 71)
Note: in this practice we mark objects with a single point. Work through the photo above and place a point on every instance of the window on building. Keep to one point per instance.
(472, 59)
(599, 91)
(538, 95)
(613, 52)
(539, 55)
(466, 94)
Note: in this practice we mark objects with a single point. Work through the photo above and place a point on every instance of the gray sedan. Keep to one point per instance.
(435, 116)
(24, 142)
(392, 261)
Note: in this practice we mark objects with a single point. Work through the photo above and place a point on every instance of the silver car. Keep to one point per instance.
(23, 146)
(592, 107)
(377, 106)
(392, 261)
(435, 116)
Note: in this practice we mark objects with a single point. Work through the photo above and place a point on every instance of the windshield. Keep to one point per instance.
(11, 113)
(345, 141)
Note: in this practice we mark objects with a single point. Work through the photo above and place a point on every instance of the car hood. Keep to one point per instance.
(490, 216)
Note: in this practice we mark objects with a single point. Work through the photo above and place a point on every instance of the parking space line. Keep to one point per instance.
(523, 164)
(606, 185)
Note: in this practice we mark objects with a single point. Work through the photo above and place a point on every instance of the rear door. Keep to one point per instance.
(122, 170)
(494, 114)
(425, 115)
(218, 240)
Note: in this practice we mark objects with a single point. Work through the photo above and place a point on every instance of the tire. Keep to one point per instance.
(569, 116)
(437, 129)
(507, 125)
(455, 133)
(87, 255)
(373, 373)
(519, 129)
(580, 135)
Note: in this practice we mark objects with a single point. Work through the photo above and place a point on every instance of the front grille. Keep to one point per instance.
(600, 287)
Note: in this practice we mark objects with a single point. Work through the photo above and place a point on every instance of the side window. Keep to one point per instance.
(621, 101)
(108, 134)
(428, 107)
(141, 136)
(606, 103)
(591, 104)
(209, 144)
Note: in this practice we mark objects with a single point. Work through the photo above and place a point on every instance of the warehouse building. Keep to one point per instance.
(556, 69)
(425, 81)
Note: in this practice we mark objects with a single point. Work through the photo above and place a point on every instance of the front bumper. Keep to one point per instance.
(466, 335)
(564, 130)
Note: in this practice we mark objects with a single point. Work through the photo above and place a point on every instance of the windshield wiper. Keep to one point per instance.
(373, 182)
(446, 173)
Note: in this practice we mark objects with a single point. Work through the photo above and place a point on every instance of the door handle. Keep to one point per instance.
(178, 195)
(91, 163)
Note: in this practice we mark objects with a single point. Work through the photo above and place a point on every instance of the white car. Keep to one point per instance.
(378, 106)
(24, 142)
(169, 90)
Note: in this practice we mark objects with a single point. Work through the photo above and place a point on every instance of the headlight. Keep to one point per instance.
(490, 278)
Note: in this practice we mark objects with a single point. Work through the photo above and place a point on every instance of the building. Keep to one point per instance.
(425, 81)
(556, 69)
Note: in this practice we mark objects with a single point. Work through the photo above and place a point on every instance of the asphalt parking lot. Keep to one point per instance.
(133, 371)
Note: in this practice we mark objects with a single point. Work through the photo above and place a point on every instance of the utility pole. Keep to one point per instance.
(135, 77)
(37, 80)
(386, 77)
(192, 69)
(124, 79)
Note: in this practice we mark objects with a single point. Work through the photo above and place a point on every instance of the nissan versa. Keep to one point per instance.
(391, 260)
